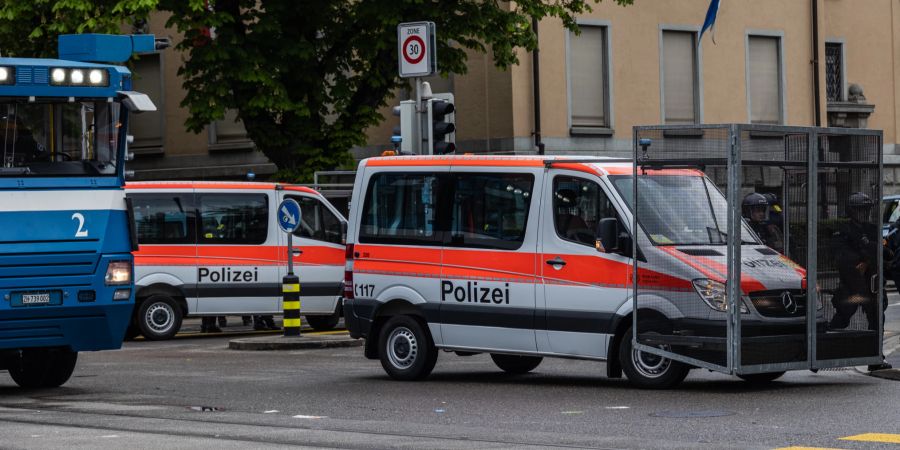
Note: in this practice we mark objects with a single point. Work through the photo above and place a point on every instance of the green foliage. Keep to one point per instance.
(306, 77)
(29, 28)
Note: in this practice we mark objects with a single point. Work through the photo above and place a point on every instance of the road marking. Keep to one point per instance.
(874, 437)
(807, 448)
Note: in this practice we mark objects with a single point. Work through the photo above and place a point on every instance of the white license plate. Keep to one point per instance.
(36, 299)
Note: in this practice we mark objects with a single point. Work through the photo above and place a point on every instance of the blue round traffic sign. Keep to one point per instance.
(289, 215)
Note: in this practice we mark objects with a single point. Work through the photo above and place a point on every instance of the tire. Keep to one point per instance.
(324, 323)
(159, 318)
(761, 378)
(407, 351)
(44, 368)
(647, 371)
(515, 364)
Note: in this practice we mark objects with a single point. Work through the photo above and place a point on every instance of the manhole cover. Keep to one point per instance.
(692, 414)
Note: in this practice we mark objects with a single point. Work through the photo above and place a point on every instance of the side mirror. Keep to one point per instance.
(607, 235)
(344, 233)
(612, 238)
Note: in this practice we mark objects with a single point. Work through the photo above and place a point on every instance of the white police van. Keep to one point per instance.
(215, 248)
(523, 257)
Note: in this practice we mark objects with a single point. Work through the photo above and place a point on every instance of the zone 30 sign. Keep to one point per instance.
(416, 47)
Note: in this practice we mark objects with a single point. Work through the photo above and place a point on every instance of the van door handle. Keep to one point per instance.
(556, 261)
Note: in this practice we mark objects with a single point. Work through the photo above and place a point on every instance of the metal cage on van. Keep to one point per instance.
(774, 237)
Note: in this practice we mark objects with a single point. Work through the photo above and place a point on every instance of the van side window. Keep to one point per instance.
(317, 222)
(578, 206)
(490, 210)
(164, 219)
(234, 218)
(399, 208)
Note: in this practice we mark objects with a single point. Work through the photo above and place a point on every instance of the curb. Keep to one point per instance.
(294, 343)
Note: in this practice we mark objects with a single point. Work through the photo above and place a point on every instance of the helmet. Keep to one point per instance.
(772, 198)
(860, 200)
(753, 201)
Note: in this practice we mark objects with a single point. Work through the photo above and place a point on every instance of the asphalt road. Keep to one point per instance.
(195, 393)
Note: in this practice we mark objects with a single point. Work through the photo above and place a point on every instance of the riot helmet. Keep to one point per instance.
(860, 206)
(755, 207)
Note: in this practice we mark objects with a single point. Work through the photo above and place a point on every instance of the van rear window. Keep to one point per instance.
(400, 208)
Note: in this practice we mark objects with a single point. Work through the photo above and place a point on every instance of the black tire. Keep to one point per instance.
(761, 378)
(648, 371)
(325, 323)
(43, 368)
(159, 318)
(516, 364)
(406, 349)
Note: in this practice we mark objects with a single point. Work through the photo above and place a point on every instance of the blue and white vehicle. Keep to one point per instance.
(66, 272)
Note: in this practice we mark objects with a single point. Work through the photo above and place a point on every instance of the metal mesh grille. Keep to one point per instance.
(688, 267)
(834, 72)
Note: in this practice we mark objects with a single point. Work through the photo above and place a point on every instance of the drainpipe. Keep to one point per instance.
(815, 62)
(536, 81)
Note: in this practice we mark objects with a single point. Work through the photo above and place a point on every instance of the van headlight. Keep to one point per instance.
(714, 294)
(118, 272)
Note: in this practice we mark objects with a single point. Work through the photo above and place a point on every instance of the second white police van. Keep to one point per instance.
(215, 248)
(500, 255)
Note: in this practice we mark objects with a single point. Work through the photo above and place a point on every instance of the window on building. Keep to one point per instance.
(764, 79)
(229, 133)
(164, 219)
(148, 128)
(317, 222)
(490, 210)
(834, 71)
(588, 75)
(680, 78)
(400, 208)
(234, 218)
(578, 206)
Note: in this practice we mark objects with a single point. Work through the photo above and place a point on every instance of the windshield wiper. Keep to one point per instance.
(15, 170)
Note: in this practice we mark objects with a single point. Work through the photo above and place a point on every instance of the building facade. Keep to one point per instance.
(790, 62)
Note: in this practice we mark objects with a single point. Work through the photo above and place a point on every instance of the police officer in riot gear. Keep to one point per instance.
(857, 262)
(755, 209)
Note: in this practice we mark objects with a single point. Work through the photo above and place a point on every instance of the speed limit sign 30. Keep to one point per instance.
(415, 41)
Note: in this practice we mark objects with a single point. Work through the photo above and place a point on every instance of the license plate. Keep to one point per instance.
(39, 298)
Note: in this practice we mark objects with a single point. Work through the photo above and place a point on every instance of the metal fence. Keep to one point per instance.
(778, 230)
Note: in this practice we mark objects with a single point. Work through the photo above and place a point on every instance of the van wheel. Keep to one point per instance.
(324, 323)
(159, 318)
(648, 371)
(516, 364)
(44, 368)
(407, 351)
(761, 378)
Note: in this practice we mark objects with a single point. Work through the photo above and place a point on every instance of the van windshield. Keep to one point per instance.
(680, 209)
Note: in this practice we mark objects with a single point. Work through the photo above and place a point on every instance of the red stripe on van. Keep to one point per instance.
(234, 255)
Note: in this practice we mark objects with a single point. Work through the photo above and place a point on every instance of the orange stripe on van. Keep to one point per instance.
(234, 255)
(720, 274)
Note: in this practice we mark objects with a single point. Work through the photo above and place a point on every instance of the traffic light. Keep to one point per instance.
(441, 122)
(409, 130)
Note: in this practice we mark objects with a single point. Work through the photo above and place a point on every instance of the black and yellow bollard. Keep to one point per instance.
(290, 288)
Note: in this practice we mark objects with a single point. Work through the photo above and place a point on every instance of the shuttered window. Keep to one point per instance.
(680, 80)
(588, 74)
(764, 80)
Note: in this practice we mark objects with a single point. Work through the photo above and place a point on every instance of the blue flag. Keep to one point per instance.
(710, 22)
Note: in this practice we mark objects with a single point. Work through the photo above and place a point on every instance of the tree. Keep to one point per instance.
(29, 28)
(307, 78)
